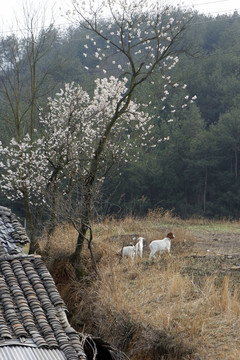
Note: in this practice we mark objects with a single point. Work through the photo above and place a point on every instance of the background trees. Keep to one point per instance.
(195, 172)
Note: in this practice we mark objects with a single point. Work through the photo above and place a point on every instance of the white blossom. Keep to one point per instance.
(72, 128)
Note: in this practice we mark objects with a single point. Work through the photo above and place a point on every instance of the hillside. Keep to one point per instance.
(183, 306)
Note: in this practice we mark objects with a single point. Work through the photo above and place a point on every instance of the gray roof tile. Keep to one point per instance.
(32, 312)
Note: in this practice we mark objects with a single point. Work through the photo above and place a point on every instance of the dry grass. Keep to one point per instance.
(150, 309)
(164, 299)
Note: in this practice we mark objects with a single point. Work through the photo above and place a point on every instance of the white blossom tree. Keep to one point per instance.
(75, 123)
(141, 37)
(63, 156)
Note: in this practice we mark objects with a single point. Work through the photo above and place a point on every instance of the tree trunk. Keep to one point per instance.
(34, 245)
(52, 193)
(76, 258)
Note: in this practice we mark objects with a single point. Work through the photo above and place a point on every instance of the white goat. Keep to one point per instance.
(139, 247)
(128, 251)
(161, 245)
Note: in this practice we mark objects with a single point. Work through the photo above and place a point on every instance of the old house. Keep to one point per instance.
(33, 321)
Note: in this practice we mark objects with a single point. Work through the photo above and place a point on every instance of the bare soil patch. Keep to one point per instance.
(216, 243)
(214, 254)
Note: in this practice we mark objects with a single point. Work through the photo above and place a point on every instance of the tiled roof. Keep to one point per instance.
(33, 322)
(12, 233)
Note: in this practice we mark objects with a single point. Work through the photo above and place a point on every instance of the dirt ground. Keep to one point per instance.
(214, 254)
(227, 244)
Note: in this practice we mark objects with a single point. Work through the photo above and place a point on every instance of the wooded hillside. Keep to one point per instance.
(196, 171)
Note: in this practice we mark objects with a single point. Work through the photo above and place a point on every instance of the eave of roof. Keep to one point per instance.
(28, 353)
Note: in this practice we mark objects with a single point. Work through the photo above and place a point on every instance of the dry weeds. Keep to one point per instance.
(151, 309)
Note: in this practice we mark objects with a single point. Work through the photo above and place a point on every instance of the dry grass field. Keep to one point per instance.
(183, 306)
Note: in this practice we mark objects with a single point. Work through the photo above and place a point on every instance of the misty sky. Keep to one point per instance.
(10, 9)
